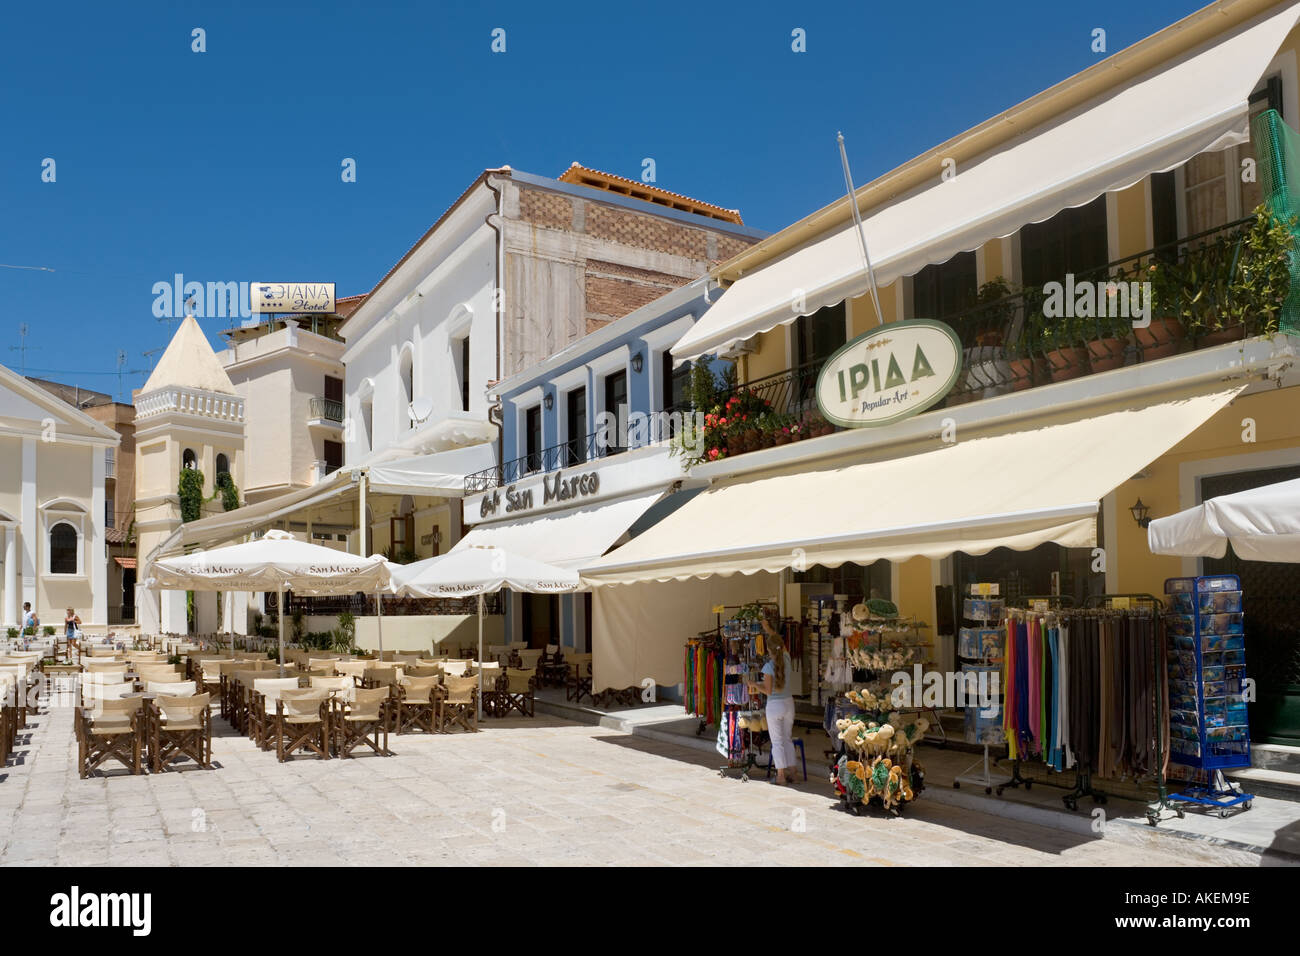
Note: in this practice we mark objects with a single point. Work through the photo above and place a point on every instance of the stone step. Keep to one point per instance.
(1262, 782)
(1275, 757)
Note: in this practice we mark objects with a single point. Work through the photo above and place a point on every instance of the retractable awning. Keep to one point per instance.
(567, 539)
(1194, 103)
(1018, 489)
(441, 474)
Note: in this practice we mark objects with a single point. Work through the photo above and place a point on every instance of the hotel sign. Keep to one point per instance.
(889, 374)
(288, 297)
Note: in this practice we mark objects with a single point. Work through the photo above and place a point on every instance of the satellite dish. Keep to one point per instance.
(420, 409)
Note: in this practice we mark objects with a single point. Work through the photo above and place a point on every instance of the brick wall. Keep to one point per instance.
(645, 232)
(546, 209)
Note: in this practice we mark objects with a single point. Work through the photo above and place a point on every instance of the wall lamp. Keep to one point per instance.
(549, 401)
(1141, 514)
(637, 362)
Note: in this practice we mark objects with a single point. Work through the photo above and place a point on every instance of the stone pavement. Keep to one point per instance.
(523, 791)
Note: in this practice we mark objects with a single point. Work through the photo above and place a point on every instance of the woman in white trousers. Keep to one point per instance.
(780, 702)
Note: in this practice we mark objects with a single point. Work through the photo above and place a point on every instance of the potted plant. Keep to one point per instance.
(1065, 341)
(1109, 339)
(1165, 335)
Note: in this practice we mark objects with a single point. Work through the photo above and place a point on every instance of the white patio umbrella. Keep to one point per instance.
(1263, 524)
(277, 561)
(479, 570)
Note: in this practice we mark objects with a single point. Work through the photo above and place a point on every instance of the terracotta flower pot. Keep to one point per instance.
(1106, 354)
(1231, 333)
(1162, 338)
(1022, 373)
(1067, 363)
(780, 438)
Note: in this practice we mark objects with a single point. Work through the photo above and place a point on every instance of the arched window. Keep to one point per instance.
(63, 549)
(223, 465)
(189, 459)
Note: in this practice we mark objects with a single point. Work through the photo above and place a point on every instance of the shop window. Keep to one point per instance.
(63, 549)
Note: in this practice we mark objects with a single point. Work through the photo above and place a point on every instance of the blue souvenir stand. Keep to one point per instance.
(1208, 727)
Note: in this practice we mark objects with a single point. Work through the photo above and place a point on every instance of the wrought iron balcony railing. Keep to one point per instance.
(327, 409)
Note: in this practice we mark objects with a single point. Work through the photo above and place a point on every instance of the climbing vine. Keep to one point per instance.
(190, 491)
(226, 488)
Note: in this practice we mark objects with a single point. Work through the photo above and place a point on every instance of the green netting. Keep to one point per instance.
(1277, 147)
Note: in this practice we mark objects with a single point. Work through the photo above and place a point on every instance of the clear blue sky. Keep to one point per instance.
(225, 165)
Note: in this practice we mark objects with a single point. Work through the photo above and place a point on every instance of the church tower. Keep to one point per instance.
(188, 417)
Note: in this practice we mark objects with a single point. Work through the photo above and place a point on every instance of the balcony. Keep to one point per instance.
(325, 413)
(1214, 287)
(637, 430)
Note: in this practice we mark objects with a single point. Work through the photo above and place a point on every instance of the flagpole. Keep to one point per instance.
(857, 220)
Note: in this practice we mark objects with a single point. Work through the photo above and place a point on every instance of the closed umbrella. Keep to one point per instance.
(1262, 524)
(278, 562)
(479, 570)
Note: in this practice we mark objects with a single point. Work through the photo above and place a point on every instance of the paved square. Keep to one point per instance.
(530, 791)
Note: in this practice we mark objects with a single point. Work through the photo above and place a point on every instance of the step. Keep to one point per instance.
(1275, 757)
(1263, 782)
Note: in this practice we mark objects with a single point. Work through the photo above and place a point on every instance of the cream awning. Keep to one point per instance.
(441, 473)
(1018, 489)
(1195, 103)
(1262, 524)
(567, 539)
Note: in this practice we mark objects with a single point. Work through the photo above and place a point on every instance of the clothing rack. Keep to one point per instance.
(1083, 781)
(740, 653)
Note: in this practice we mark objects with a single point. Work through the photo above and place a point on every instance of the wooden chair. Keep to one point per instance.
(107, 664)
(342, 688)
(356, 669)
(491, 687)
(415, 704)
(93, 691)
(518, 691)
(577, 683)
(364, 720)
(112, 728)
(550, 666)
(181, 727)
(262, 708)
(381, 676)
(422, 670)
(183, 688)
(456, 668)
(458, 704)
(302, 723)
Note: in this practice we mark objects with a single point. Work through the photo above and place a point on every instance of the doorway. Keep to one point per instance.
(1271, 602)
(541, 620)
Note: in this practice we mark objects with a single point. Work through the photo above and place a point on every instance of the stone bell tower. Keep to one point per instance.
(188, 416)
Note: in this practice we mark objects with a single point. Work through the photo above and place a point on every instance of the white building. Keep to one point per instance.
(52, 506)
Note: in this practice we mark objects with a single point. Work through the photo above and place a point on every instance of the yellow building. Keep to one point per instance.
(1026, 469)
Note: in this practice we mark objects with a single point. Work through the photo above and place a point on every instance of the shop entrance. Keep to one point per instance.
(541, 619)
(1271, 600)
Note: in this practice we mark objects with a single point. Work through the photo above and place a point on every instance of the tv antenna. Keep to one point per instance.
(22, 348)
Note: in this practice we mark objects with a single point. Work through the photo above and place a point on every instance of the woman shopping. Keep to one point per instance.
(780, 702)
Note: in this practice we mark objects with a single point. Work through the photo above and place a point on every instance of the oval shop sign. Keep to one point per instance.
(889, 373)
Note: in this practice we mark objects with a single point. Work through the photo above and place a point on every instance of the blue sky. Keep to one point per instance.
(225, 165)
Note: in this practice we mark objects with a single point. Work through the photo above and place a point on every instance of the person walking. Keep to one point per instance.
(71, 624)
(780, 702)
(30, 623)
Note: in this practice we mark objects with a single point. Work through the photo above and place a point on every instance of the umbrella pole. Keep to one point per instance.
(480, 657)
(280, 607)
(379, 621)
